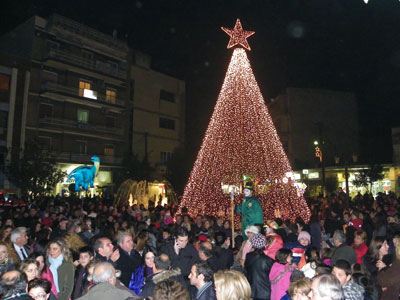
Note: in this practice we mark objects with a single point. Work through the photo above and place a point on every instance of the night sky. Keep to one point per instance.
(333, 44)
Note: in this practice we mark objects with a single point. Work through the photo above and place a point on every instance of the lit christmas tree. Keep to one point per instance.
(241, 140)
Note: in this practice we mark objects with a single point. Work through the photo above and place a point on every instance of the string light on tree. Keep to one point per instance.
(241, 139)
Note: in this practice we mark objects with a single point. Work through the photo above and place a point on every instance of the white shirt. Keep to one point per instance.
(18, 249)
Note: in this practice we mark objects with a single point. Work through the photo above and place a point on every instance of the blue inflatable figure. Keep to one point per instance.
(84, 176)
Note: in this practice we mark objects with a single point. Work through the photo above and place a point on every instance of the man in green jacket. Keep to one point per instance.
(250, 209)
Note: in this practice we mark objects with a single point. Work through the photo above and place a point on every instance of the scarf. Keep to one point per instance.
(54, 264)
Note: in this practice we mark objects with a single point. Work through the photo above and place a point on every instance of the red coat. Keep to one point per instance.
(360, 252)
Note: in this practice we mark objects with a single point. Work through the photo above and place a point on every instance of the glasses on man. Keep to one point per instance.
(41, 296)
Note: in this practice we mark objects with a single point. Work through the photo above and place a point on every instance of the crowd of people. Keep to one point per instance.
(65, 249)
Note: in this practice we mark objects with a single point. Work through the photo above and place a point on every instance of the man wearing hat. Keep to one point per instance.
(250, 209)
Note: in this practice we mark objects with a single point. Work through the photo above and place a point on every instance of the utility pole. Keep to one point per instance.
(320, 146)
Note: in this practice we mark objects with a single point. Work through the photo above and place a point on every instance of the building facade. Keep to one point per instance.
(158, 113)
(302, 116)
(14, 84)
(78, 94)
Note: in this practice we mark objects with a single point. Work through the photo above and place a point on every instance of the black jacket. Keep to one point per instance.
(258, 266)
(127, 264)
(187, 257)
(207, 294)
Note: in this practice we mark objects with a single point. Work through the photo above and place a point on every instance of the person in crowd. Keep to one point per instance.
(81, 272)
(389, 278)
(61, 229)
(223, 250)
(299, 290)
(72, 237)
(300, 247)
(13, 286)
(250, 209)
(232, 285)
(280, 273)
(105, 251)
(315, 231)
(40, 289)
(30, 268)
(374, 259)
(257, 266)
(201, 277)
(342, 271)
(19, 250)
(104, 288)
(341, 250)
(359, 245)
(207, 254)
(161, 271)
(274, 242)
(182, 254)
(129, 258)
(5, 234)
(250, 231)
(5, 263)
(59, 269)
(41, 240)
(39, 258)
(139, 275)
(325, 287)
(170, 290)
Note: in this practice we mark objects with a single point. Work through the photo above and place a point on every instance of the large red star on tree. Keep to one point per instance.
(238, 36)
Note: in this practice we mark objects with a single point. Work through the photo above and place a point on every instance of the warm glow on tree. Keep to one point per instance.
(241, 140)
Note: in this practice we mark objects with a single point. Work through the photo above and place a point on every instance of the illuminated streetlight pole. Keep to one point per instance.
(319, 154)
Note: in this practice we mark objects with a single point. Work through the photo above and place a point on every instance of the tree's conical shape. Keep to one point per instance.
(241, 140)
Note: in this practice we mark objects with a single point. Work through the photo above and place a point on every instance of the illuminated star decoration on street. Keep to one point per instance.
(238, 36)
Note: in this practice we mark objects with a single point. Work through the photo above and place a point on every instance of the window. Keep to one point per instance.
(85, 89)
(4, 82)
(111, 95)
(45, 110)
(110, 122)
(167, 123)
(165, 157)
(81, 147)
(83, 116)
(167, 96)
(44, 142)
(109, 150)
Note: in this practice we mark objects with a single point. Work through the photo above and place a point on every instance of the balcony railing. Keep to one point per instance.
(73, 91)
(92, 64)
(86, 31)
(81, 126)
(85, 158)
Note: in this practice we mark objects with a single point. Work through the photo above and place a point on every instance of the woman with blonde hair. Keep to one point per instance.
(300, 289)
(232, 285)
(59, 270)
(30, 268)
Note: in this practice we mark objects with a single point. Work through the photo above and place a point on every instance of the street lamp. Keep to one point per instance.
(319, 154)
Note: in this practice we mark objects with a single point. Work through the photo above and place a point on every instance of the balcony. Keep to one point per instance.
(72, 124)
(87, 63)
(75, 92)
(85, 158)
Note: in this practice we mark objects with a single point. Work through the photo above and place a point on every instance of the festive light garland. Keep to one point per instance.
(241, 139)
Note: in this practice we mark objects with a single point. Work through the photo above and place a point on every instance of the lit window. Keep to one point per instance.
(167, 123)
(111, 95)
(85, 90)
(109, 150)
(4, 82)
(83, 116)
